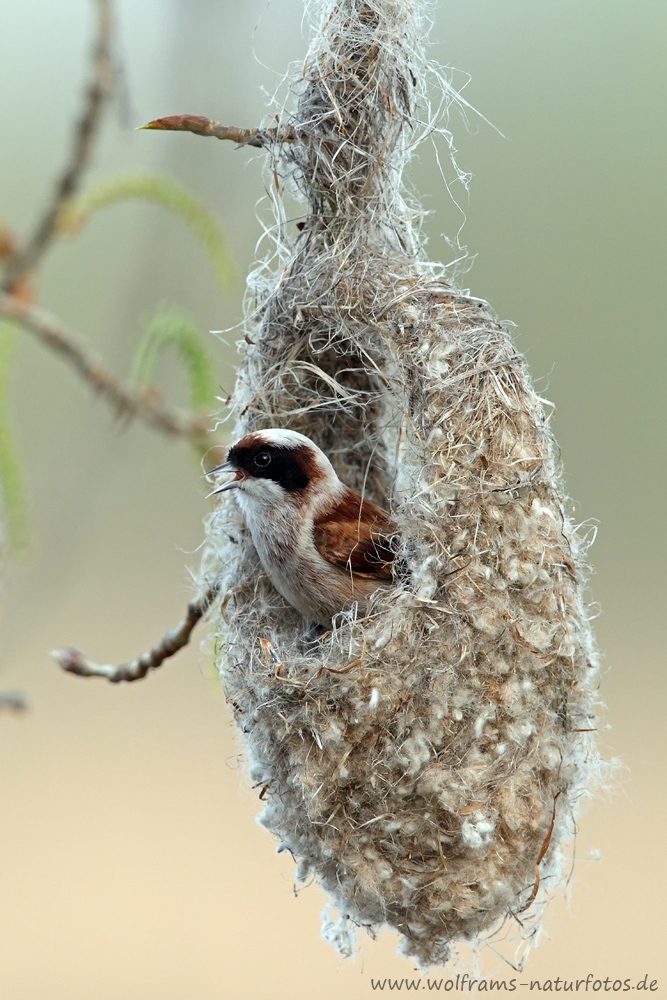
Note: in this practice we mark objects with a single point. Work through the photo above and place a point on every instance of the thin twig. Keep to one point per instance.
(20, 286)
(127, 402)
(24, 261)
(74, 662)
(13, 701)
(207, 127)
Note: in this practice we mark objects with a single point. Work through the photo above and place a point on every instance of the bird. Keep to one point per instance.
(324, 547)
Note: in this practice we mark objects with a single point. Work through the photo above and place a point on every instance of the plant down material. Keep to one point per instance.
(424, 764)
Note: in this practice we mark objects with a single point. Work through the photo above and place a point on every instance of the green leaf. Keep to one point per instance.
(171, 327)
(161, 190)
(11, 475)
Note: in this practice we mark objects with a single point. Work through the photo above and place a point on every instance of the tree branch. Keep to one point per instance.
(74, 662)
(207, 127)
(12, 701)
(126, 402)
(24, 261)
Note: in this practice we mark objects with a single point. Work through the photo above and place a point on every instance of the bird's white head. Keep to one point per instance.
(276, 466)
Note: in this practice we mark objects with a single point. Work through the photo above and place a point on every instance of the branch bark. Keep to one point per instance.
(13, 701)
(74, 662)
(207, 127)
(124, 400)
(24, 261)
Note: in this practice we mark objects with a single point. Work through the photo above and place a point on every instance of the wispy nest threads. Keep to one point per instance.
(426, 763)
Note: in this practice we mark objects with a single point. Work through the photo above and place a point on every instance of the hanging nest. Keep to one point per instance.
(424, 764)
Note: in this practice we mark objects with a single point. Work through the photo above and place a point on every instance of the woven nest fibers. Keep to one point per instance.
(424, 764)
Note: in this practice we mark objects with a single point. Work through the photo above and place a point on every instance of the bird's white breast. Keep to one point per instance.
(282, 532)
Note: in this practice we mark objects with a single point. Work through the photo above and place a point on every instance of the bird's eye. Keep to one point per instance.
(262, 459)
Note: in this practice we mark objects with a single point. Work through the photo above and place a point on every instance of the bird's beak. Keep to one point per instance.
(233, 484)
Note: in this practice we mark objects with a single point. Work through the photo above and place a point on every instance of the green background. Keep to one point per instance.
(130, 863)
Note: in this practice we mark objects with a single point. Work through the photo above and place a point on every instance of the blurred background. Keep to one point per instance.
(130, 861)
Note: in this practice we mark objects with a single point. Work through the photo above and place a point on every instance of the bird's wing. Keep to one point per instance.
(358, 537)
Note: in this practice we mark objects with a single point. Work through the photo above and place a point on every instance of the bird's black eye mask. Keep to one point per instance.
(268, 461)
